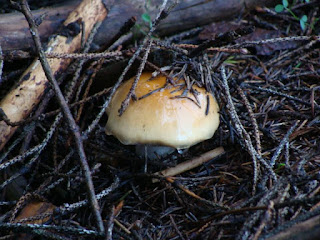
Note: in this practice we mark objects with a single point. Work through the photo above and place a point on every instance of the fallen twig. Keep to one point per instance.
(193, 163)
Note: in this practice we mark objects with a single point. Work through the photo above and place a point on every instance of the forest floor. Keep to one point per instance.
(263, 67)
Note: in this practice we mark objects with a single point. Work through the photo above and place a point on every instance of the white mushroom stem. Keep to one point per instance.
(152, 152)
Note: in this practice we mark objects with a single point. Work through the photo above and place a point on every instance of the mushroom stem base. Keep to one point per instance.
(153, 151)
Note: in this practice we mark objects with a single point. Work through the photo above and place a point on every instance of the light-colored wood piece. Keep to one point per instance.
(190, 164)
(21, 100)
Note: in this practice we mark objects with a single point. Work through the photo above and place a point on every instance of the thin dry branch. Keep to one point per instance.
(253, 119)
(192, 194)
(147, 43)
(221, 40)
(193, 163)
(131, 94)
(244, 134)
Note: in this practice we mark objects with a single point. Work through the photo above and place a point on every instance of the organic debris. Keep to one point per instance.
(264, 185)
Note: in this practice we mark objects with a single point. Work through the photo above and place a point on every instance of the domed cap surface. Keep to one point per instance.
(162, 118)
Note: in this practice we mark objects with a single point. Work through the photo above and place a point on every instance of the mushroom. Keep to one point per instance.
(169, 118)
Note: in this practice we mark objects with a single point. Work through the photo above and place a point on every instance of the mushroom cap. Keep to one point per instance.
(161, 119)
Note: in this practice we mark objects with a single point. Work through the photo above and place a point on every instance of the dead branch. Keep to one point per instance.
(14, 34)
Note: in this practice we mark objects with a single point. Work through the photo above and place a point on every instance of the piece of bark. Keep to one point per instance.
(20, 101)
(14, 28)
(187, 14)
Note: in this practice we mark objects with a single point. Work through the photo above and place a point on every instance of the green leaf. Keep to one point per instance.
(285, 3)
(146, 17)
(231, 60)
(279, 8)
(298, 65)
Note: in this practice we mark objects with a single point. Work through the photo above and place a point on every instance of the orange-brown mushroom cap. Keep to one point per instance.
(161, 119)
